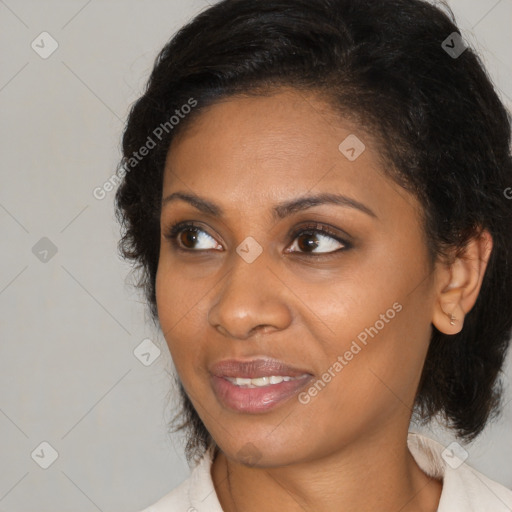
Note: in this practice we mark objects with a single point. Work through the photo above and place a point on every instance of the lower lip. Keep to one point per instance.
(255, 400)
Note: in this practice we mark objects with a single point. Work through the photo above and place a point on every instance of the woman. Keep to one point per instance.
(314, 191)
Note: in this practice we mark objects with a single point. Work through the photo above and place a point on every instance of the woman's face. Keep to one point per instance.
(339, 291)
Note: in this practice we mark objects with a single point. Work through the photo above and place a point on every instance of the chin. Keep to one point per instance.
(259, 451)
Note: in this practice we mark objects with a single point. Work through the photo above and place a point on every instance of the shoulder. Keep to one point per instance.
(195, 494)
(464, 488)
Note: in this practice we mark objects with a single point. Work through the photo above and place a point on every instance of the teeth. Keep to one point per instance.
(260, 381)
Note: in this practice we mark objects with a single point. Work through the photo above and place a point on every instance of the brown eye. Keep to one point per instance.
(307, 242)
(187, 237)
(310, 240)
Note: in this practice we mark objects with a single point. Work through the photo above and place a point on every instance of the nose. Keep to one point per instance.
(251, 299)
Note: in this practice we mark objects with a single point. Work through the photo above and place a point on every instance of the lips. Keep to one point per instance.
(255, 368)
(229, 383)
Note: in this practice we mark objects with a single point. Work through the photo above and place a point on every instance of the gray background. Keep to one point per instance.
(70, 321)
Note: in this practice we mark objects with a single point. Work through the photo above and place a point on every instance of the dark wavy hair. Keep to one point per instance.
(442, 129)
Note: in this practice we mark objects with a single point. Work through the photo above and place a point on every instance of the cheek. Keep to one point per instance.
(181, 315)
(363, 384)
(379, 332)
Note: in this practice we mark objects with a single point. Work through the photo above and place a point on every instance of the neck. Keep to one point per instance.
(377, 475)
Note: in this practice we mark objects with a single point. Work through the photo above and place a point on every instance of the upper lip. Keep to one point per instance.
(254, 368)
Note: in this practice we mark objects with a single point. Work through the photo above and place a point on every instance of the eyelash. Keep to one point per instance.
(308, 229)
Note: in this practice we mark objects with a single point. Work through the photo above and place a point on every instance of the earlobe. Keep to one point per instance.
(460, 283)
(448, 312)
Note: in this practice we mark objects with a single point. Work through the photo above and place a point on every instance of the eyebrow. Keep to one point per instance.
(280, 211)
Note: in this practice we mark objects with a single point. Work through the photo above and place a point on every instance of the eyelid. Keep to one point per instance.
(324, 229)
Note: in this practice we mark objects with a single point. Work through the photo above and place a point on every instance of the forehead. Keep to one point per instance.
(248, 151)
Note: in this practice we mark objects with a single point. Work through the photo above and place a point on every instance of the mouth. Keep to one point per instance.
(261, 381)
(256, 385)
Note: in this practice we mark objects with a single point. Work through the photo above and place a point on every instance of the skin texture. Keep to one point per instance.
(346, 449)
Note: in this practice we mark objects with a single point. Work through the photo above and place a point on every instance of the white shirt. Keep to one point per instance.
(464, 488)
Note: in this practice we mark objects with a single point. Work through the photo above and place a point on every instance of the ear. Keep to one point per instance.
(458, 283)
